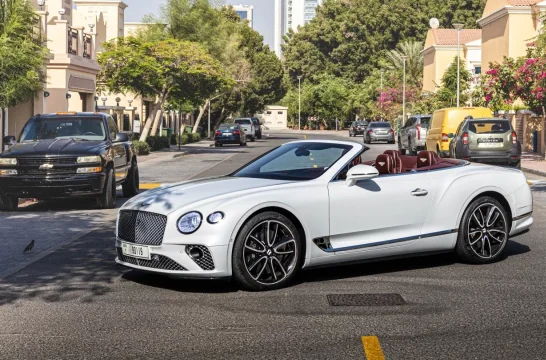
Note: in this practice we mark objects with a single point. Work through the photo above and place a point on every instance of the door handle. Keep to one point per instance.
(419, 192)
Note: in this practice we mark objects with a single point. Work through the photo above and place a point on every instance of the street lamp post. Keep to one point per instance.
(404, 58)
(458, 27)
(299, 101)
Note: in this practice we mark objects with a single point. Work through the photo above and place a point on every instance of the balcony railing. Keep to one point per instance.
(87, 44)
(72, 41)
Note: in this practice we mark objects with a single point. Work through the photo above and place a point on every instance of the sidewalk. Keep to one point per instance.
(536, 167)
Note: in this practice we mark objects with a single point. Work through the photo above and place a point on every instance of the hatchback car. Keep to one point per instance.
(357, 128)
(488, 140)
(379, 131)
(229, 134)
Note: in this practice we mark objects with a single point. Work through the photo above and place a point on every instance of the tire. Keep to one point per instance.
(260, 136)
(276, 265)
(402, 151)
(517, 165)
(242, 144)
(483, 248)
(107, 200)
(252, 139)
(216, 145)
(131, 185)
(9, 203)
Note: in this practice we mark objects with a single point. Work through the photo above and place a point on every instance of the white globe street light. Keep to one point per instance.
(41, 4)
(62, 11)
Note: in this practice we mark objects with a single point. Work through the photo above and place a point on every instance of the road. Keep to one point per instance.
(68, 300)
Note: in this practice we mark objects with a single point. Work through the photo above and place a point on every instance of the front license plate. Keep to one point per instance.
(490, 145)
(137, 251)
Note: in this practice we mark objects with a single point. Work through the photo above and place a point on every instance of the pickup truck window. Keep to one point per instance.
(112, 128)
(243, 121)
(63, 127)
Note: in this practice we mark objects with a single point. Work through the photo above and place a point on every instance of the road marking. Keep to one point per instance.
(149, 186)
(372, 348)
(304, 137)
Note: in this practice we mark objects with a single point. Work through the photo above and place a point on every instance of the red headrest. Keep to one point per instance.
(397, 157)
(384, 164)
(426, 158)
(394, 153)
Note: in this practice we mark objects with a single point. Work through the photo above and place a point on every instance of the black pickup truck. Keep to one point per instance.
(68, 155)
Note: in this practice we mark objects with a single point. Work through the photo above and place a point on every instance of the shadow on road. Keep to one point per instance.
(180, 285)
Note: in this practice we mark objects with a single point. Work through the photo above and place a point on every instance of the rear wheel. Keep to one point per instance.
(252, 139)
(266, 253)
(8, 203)
(517, 165)
(107, 200)
(483, 232)
(131, 185)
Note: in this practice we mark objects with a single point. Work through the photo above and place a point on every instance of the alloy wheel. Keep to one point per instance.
(487, 231)
(270, 252)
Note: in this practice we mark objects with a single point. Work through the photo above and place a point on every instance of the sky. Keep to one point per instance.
(263, 13)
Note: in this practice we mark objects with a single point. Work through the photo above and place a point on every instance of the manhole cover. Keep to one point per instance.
(365, 299)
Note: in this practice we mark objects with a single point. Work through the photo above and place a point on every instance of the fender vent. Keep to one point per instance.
(323, 243)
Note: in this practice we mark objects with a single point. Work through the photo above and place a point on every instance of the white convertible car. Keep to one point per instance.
(314, 203)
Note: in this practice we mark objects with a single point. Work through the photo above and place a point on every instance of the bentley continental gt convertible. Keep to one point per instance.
(316, 203)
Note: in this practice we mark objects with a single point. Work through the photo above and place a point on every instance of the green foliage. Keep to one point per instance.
(187, 138)
(414, 63)
(447, 93)
(23, 53)
(158, 142)
(141, 148)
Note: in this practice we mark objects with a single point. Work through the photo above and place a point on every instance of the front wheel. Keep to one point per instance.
(266, 253)
(107, 200)
(483, 232)
(9, 203)
(131, 185)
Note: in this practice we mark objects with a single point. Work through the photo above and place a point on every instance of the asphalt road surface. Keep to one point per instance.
(73, 302)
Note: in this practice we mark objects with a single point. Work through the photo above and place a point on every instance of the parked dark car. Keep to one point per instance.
(379, 131)
(257, 127)
(68, 155)
(229, 134)
(488, 140)
(357, 128)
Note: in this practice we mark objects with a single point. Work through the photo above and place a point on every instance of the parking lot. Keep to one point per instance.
(67, 299)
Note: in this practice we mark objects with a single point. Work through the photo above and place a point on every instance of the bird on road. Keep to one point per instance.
(29, 247)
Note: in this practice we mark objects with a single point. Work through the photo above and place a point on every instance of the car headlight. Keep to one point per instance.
(88, 159)
(8, 161)
(8, 172)
(215, 217)
(189, 223)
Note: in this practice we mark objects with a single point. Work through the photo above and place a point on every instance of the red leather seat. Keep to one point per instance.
(397, 157)
(426, 158)
(384, 164)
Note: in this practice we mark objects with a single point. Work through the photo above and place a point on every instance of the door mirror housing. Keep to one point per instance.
(360, 172)
(121, 137)
(9, 140)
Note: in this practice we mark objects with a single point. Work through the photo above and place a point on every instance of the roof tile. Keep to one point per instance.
(449, 36)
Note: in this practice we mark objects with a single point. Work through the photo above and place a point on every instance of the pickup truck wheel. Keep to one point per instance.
(132, 184)
(107, 200)
(8, 203)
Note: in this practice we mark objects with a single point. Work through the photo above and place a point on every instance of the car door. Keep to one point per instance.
(118, 149)
(455, 140)
(389, 209)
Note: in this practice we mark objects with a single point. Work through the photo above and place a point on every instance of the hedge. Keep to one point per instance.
(186, 138)
(158, 142)
(141, 148)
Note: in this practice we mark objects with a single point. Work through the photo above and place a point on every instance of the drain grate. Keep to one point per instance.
(365, 300)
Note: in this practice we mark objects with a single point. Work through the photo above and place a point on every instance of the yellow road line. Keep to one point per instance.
(148, 186)
(304, 137)
(372, 348)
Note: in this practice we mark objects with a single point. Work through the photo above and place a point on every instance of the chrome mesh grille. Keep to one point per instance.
(158, 262)
(206, 262)
(37, 161)
(141, 227)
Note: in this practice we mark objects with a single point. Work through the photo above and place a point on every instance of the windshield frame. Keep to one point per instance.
(36, 119)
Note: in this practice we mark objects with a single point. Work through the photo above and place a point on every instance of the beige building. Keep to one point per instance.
(507, 27)
(441, 48)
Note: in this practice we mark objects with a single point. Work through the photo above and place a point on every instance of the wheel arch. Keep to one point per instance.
(495, 194)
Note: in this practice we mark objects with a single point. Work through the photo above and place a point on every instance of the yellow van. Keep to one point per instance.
(445, 122)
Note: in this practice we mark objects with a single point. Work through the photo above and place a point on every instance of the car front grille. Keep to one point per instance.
(141, 227)
(37, 161)
(157, 262)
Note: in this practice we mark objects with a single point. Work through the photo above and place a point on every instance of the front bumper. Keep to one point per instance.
(52, 186)
(490, 157)
(170, 256)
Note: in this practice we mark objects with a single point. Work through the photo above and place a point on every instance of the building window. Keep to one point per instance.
(279, 112)
(269, 113)
(478, 70)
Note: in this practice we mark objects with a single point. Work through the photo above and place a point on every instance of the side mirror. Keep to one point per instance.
(360, 172)
(121, 137)
(10, 140)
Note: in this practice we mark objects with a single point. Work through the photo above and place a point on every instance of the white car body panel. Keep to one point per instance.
(373, 219)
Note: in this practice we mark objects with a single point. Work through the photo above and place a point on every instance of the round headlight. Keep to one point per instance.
(189, 223)
(215, 217)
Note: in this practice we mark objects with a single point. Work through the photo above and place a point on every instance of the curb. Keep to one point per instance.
(533, 171)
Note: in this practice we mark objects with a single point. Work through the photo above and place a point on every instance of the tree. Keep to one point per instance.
(414, 63)
(180, 69)
(23, 53)
(448, 91)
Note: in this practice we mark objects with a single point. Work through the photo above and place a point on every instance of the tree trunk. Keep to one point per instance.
(148, 125)
(159, 112)
(201, 112)
(218, 119)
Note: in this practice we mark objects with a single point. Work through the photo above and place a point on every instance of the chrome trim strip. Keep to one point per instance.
(522, 216)
(394, 241)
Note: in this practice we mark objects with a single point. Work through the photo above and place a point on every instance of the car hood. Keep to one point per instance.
(169, 198)
(54, 147)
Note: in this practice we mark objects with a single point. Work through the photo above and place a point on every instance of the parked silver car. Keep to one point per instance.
(379, 131)
(413, 135)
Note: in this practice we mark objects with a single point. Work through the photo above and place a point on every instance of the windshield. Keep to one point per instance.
(242, 121)
(360, 123)
(296, 161)
(489, 126)
(425, 122)
(88, 128)
(380, 124)
(228, 126)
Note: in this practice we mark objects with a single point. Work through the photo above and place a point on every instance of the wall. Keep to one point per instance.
(429, 71)
(444, 58)
(18, 117)
(495, 42)
(533, 124)
(522, 31)
(275, 118)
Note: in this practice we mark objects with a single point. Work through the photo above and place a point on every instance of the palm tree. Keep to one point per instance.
(414, 64)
